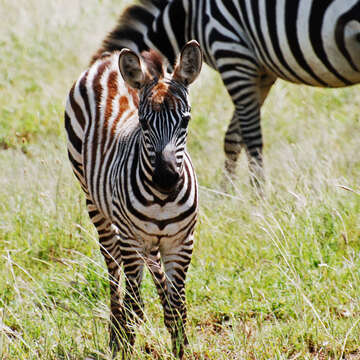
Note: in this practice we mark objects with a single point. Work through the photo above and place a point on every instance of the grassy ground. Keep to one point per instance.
(271, 279)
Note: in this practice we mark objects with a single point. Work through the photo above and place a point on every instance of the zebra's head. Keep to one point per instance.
(164, 109)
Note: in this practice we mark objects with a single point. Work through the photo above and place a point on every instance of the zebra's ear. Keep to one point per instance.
(131, 68)
(189, 64)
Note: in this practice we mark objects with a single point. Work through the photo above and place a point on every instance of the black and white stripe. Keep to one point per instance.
(251, 43)
(126, 121)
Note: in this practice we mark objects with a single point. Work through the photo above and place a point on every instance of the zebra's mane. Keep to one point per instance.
(134, 12)
(133, 17)
(155, 63)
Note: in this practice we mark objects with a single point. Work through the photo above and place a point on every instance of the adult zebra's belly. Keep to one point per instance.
(311, 42)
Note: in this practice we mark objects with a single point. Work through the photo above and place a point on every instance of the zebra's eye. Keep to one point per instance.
(185, 120)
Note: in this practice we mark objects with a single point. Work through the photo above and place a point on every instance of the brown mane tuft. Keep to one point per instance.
(154, 62)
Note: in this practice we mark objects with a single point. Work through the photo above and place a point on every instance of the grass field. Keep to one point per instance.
(277, 278)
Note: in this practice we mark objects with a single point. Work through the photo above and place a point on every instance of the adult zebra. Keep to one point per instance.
(127, 149)
(251, 43)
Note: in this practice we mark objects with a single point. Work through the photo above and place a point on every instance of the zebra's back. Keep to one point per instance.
(303, 41)
(306, 41)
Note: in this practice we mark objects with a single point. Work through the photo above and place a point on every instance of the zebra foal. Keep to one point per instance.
(127, 147)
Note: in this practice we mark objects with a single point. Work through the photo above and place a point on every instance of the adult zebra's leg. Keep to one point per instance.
(248, 95)
(232, 146)
(245, 130)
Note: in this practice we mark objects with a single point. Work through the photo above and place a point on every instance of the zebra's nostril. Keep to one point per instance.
(166, 177)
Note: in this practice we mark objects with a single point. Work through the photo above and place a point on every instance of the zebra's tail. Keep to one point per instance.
(132, 27)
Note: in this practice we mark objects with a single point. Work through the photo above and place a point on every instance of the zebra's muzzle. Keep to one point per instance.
(166, 173)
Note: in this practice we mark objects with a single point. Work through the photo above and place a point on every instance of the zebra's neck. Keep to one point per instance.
(171, 29)
(165, 26)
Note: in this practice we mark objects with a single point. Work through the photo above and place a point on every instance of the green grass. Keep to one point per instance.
(270, 279)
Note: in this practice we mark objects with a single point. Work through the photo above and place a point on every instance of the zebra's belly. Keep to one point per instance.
(315, 43)
(312, 70)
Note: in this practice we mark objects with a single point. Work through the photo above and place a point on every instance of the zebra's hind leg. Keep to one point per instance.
(240, 134)
(127, 310)
(233, 145)
(110, 249)
(245, 128)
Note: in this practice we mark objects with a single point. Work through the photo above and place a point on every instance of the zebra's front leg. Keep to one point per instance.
(133, 306)
(171, 288)
(125, 311)
(174, 308)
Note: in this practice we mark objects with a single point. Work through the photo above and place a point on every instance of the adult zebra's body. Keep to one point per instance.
(251, 43)
(127, 149)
